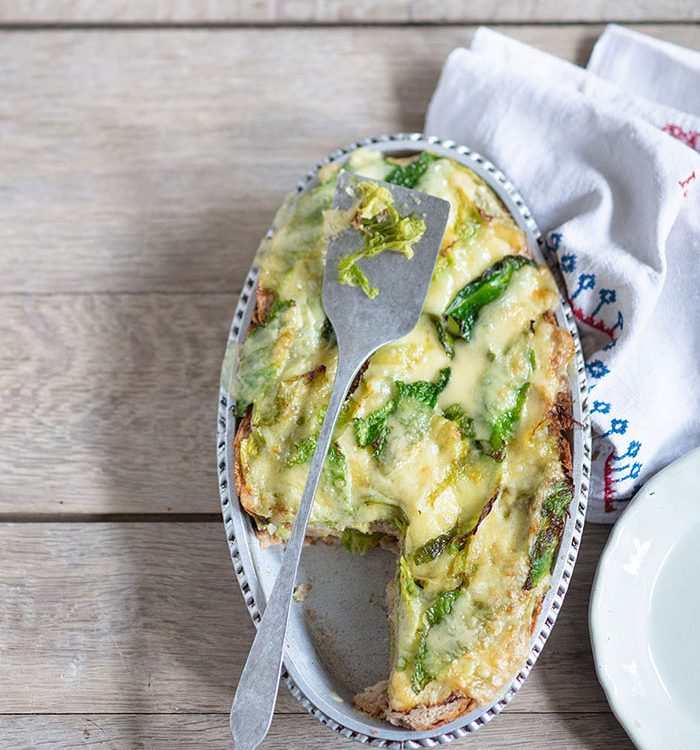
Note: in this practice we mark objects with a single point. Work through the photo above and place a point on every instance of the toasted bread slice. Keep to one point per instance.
(375, 702)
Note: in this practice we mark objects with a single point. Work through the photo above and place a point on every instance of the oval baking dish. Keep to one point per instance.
(337, 642)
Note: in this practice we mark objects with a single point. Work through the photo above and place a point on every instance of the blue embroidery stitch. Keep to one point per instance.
(597, 368)
(617, 427)
(607, 296)
(633, 469)
(553, 241)
(620, 322)
(568, 263)
(632, 450)
(633, 474)
(585, 281)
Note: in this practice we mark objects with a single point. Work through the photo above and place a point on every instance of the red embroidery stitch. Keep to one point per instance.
(608, 483)
(686, 182)
(599, 325)
(689, 137)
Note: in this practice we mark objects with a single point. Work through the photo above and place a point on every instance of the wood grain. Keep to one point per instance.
(147, 618)
(154, 160)
(138, 170)
(109, 402)
(338, 11)
(572, 731)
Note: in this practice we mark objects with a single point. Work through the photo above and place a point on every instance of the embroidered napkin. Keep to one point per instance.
(609, 170)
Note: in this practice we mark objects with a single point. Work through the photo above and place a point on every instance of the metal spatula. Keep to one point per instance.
(361, 326)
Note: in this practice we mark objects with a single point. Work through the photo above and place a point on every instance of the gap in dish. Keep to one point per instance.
(345, 614)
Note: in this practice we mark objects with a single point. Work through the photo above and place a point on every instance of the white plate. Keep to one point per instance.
(645, 612)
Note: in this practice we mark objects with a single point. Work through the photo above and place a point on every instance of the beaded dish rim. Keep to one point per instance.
(235, 519)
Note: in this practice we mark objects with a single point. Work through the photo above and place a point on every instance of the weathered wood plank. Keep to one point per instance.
(573, 731)
(339, 11)
(154, 160)
(147, 618)
(109, 402)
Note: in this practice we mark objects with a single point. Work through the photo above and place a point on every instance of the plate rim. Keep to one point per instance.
(635, 508)
(234, 523)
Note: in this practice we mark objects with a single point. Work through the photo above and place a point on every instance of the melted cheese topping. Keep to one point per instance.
(442, 482)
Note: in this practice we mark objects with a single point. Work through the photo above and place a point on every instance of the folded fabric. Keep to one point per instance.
(664, 73)
(618, 201)
(683, 123)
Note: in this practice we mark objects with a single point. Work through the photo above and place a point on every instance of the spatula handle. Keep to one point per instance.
(254, 702)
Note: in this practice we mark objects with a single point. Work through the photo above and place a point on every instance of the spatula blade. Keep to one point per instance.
(402, 282)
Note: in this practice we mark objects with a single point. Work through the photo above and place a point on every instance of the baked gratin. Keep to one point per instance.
(451, 447)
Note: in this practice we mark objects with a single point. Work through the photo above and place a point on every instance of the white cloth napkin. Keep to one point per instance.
(618, 200)
(662, 72)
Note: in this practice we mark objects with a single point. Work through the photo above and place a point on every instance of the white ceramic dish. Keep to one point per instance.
(334, 650)
(645, 610)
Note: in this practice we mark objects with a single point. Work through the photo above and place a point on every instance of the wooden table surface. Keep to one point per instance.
(144, 146)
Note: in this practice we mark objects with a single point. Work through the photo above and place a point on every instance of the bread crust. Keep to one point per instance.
(242, 489)
(264, 300)
(374, 701)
